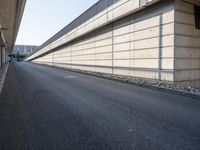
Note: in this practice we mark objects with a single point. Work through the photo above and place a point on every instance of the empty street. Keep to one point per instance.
(46, 108)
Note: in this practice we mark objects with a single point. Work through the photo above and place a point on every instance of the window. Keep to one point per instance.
(197, 16)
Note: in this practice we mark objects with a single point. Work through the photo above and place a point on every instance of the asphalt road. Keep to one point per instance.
(43, 108)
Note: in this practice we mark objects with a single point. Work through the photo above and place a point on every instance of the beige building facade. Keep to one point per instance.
(155, 39)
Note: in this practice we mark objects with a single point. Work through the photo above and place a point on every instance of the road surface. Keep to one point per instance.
(43, 108)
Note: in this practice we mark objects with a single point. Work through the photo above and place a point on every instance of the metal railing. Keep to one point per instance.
(88, 14)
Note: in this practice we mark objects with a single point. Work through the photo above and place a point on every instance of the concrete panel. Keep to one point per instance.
(187, 30)
(167, 41)
(122, 46)
(145, 74)
(147, 33)
(104, 42)
(168, 17)
(147, 43)
(103, 62)
(185, 18)
(182, 52)
(148, 53)
(166, 76)
(167, 52)
(167, 63)
(123, 63)
(148, 23)
(86, 51)
(182, 6)
(103, 56)
(167, 29)
(123, 30)
(146, 63)
(185, 41)
(186, 75)
(123, 38)
(104, 36)
(187, 63)
(123, 55)
(98, 43)
(103, 49)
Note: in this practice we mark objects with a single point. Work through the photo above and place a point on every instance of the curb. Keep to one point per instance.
(162, 89)
(3, 77)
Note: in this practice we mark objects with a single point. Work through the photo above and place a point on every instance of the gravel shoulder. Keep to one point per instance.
(147, 83)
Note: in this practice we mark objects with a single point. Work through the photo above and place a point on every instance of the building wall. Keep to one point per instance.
(109, 13)
(187, 46)
(139, 45)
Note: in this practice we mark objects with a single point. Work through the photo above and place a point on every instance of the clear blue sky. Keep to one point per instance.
(44, 18)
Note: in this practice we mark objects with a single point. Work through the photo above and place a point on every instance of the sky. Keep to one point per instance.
(44, 18)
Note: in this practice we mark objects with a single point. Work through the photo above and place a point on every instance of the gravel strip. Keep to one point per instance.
(147, 82)
(150, 83)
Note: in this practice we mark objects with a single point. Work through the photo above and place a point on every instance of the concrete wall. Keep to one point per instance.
(116, 11)
(187, 46)
(141, 38)
(139, 45)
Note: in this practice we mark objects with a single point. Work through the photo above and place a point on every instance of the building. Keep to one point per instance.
(11, 12)
(156, 39)
(24, 49)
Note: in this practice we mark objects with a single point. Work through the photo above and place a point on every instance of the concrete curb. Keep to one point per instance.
(162, 89)
(3, 77)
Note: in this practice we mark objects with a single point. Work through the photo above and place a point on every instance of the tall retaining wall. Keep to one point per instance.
(156, 42)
